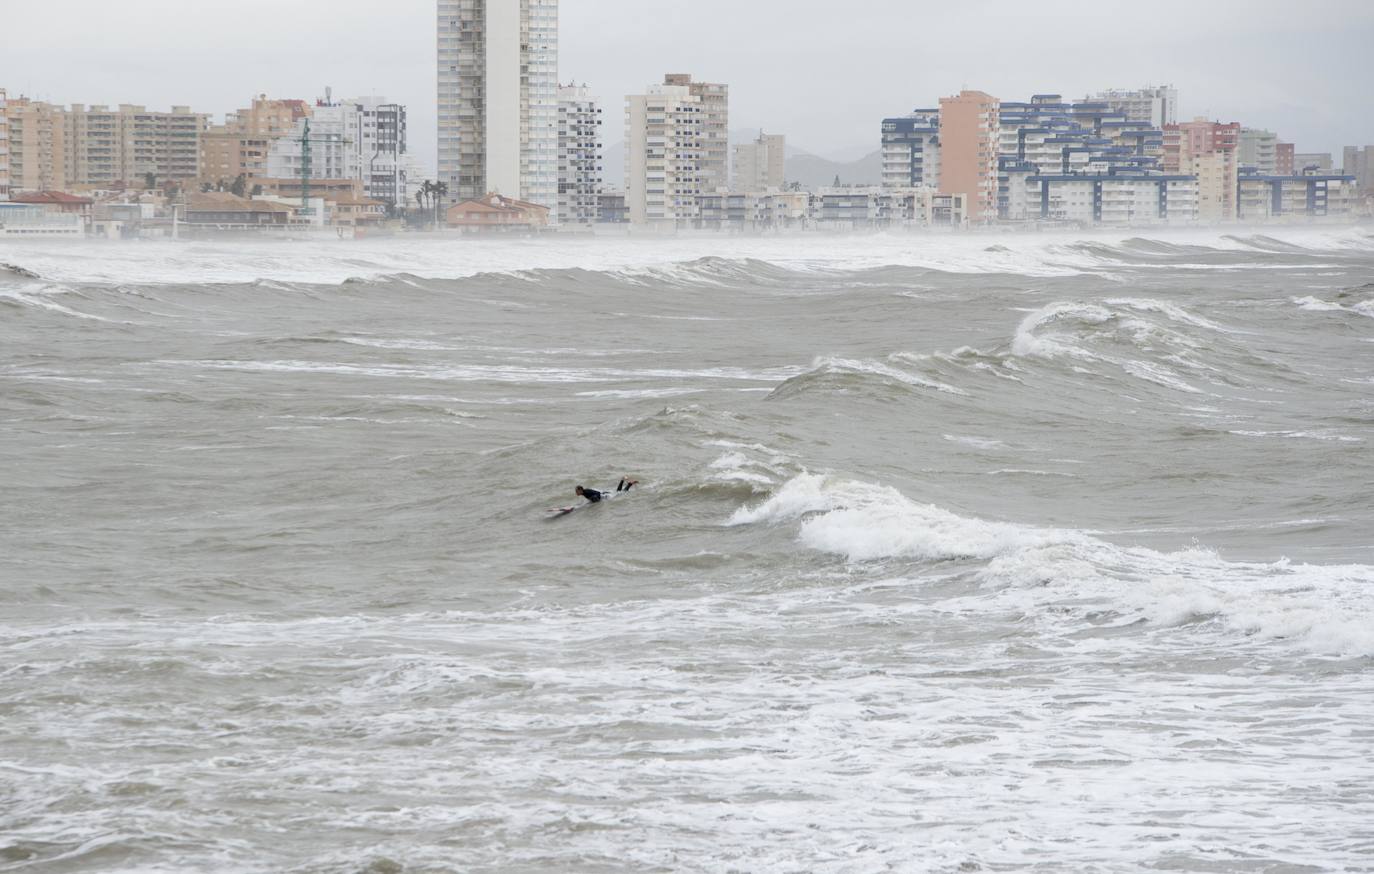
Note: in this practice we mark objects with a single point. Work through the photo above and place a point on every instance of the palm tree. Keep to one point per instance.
(440, 191)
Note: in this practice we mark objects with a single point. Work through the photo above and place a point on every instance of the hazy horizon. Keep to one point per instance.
(1301, 77)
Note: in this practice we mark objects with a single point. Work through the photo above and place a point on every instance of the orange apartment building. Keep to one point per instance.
(970, 128)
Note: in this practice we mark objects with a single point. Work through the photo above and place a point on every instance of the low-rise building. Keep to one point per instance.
(496, 213)
(30, 220)
(1099, 199)
(1290, 198)
(611, 208)
(222, 211)
(59, 203)
(754, 211)
(359, 213)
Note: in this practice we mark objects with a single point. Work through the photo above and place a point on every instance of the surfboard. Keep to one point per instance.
(606, 495)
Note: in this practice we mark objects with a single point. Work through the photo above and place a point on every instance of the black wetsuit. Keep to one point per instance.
(595, 497)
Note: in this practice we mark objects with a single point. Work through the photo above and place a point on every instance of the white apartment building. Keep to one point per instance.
(498, 99)
(331, 140)
(870, 207)
(4, 149)
(1296, 198)
(1126, 201)
(1258, 149)
(579, 157)
(664, 148)
(911, 150)
(760, 165)
(1156, 105)
(361, 138)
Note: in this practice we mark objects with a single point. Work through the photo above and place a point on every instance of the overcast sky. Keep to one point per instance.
(823, 72)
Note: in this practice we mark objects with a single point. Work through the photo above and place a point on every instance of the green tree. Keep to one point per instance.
(239, 187)
(150, 181)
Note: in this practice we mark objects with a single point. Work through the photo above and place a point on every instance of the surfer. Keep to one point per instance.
(595, 496)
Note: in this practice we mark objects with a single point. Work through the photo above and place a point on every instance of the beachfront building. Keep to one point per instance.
(37, 146)
(240, 146)
(969, 136)
(1258, 149)
(663, 157)
(55, 147)
(27, 220)
(1154, 106)
(322, 145)
(1207, 150)
(1318, 194)
(579, 157)
(498, 99)
(757, 211)
(127, 144)
(100, 147)
(760, 165)
(361, 138)
(1123, 199)
(4, 148)
(496, 213)
(390, 173)
(715, 128)
(881, 207)
(911, 150)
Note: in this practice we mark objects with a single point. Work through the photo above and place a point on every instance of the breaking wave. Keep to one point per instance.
(1328, 609)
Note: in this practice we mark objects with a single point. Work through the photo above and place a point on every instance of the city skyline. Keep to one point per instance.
(1314, 98)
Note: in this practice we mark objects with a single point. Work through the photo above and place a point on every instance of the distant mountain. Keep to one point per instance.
(813, 171)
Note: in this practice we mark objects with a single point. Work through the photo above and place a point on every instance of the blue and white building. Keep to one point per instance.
(911, 150)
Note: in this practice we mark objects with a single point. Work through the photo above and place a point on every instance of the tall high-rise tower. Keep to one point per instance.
(498, 99)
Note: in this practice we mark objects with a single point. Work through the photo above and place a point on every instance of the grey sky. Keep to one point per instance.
(823, 72)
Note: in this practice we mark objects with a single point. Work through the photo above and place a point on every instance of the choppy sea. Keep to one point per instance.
(950, 554)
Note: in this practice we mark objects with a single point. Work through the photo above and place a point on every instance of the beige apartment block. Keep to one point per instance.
(760, 165)
(4, 148)
(1217, 182)
(663, 157)
(970, 128)
(241, 145)
(108, 147)
(38, 145)
(715, 128)
(1210, 151)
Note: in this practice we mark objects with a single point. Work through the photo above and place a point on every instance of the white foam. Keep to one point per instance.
(700, 259)
(1324, 608)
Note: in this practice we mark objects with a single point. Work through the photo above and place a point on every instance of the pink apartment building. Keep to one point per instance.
(969, 133)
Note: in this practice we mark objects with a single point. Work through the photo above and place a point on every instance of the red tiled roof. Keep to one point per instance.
(50, 197)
